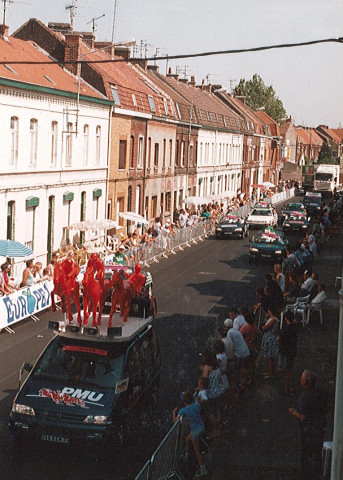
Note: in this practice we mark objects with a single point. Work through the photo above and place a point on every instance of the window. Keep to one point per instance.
(33, 141)
(178, 110)
(97, 144)
(200, 115)
(69, 145)
(129, 198)
(53, 151)
(170, 153)
(224, 121)
(85, 144)
(182, 155)
(191, 155)
(134, 100)
(165, 104)
(115, 96)
(132, 149)
(138, 199)
(208, 115)
(172, 108)
(14, 141)
(164, 153)
(177, 154)
(168, 201)
(140, 152)
(149, 153)
(152, 104)
(122, 154)
(156, 154)
(10, 220)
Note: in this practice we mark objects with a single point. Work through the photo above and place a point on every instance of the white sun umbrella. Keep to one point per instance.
(227, 194)
(133, 217)
(196, 200)
(268, 184)
(83, 226)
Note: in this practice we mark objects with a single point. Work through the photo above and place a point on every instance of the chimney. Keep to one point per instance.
(72, 52)
(4, 31)
(192, 82)
(107, 47)
(172, 75)
(154, 68)
(63, 28)
(122, 51)
(143, 63)
(88, 38)
(184, 80)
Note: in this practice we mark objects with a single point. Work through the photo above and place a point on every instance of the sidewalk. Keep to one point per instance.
(261, 441)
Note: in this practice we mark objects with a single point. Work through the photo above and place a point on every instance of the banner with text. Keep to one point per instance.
(25, 302)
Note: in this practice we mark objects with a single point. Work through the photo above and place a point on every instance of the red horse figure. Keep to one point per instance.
(122, 295)
(66, 287)
(137, 280)
(91, 295)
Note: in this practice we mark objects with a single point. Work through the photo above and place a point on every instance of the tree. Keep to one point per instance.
(258, 95)
(325, 155)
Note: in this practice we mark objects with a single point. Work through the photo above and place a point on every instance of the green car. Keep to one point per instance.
(268, 245)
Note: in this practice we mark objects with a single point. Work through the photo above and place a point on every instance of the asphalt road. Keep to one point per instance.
(193, 289)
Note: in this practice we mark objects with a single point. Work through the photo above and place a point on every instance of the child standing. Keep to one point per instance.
(192, 411)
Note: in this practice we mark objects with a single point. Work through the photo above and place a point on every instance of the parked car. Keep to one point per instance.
(295, 222)
(231, 226)
(268, 244)
(262, 216)
(292, 207)
(88, 384)
(312, 201)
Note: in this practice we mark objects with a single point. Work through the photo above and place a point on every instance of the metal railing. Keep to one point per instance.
(164, 462)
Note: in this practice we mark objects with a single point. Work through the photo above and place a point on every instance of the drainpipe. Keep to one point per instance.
(337, 447)
(108, 160)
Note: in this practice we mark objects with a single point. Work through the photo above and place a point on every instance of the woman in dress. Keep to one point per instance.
(210, 368)
(269, 347)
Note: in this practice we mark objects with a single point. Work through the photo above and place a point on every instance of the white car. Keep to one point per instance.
(262, 216)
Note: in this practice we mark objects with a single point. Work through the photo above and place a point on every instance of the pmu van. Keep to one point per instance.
(87, 383)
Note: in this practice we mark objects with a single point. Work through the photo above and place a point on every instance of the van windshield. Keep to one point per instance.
(312, 199)
(324, 177)
(82, 363)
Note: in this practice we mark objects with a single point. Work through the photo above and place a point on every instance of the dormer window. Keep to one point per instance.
(152, 104)
(165, 103)
(115, 96)
(178, 110)
(134, 100)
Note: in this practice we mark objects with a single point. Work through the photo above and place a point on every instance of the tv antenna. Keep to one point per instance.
(183, 70)
(94, 19)
(232, 84)
(72, 7)
(115, 13)
(6, 2)
(210, 75)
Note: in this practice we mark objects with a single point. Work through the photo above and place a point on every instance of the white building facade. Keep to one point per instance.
(50, 174)
(220, 156)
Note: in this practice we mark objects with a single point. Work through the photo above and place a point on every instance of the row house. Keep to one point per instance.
(54, 148)
(143, 121)
(261, 149)
(219, 145)
(333, 137)
(270, 156)
(308, 146)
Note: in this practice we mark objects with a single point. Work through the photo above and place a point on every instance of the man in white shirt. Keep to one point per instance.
(321, 295)
(183, 218)
(307, 284)
(237, 318)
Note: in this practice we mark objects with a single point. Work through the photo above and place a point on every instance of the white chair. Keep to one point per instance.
(326, 456)
(315, 307)
(302, 308)
(338, 279)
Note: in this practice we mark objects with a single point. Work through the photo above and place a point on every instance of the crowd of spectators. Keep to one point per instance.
(227, 366)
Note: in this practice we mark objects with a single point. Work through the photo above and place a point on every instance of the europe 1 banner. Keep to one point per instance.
(25, 302)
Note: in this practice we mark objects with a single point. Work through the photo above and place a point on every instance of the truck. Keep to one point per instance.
(326, 179)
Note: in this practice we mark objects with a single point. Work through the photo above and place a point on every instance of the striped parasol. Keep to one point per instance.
(11, 249)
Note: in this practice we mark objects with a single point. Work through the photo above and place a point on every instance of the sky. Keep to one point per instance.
(308, 80)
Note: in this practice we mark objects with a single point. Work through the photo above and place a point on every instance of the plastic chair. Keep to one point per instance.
(302, 308)
(326, 456)
(315, 307)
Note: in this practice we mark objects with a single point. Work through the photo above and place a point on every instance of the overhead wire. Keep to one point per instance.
(179, 56)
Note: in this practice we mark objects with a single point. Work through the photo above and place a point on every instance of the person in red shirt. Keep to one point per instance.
(5, 287)
(249, 332)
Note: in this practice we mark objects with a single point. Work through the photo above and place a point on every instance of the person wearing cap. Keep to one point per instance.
(119, 258)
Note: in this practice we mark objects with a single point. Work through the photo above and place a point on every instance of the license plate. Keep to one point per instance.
(265, 255)
(54, 438)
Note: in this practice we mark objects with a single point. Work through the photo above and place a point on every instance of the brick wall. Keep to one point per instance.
(37, 32)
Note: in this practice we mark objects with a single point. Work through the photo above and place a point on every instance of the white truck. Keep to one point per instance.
(326, 179)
